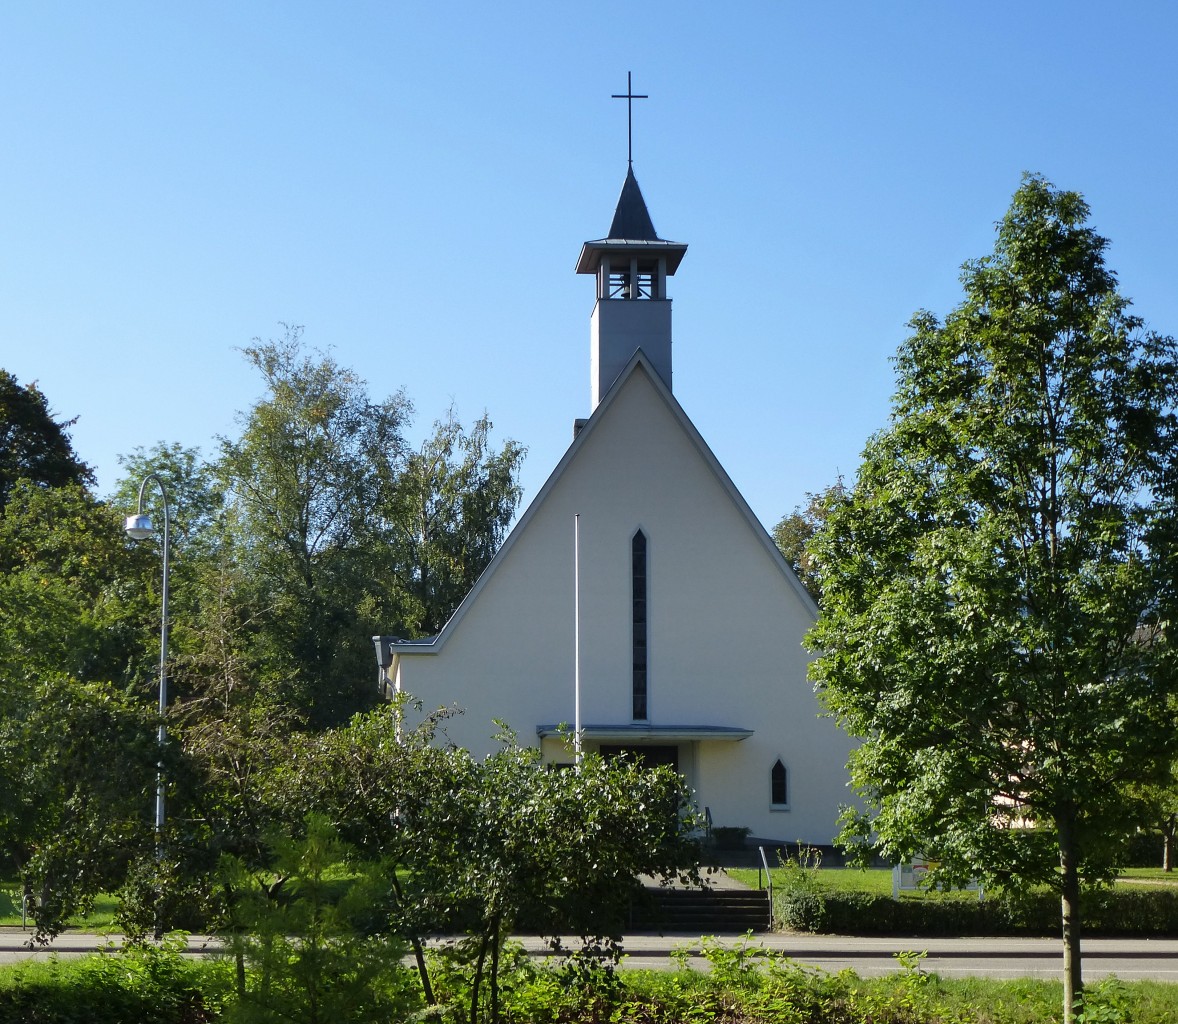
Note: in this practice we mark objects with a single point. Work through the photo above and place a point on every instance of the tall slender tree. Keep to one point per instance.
(452, 507)
(304, 481)
(998, 586)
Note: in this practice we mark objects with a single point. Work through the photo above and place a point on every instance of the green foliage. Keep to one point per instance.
(314, 528)
(794, 533)
(997, 584)
(195, 495)
(1108, 912)
(304, 483)
(307, 960)
(335, 530)
(799, 891)
(453, 503)
(462, 846)
(118, 990)
(33, 445)
(71, 593)
(77, 767)
(139, 984)
(1106, 1002)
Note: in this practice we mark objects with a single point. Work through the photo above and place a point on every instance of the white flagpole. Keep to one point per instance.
(577, 636)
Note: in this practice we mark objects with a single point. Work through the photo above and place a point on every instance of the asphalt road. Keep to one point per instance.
(1129, 959)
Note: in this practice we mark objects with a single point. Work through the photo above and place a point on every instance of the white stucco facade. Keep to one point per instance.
(726, 671)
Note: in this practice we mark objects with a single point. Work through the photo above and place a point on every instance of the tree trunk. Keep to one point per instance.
(478, 980)
(1168, 829)
(427, 989)
(238, 945)
(1073, 977)
(496, 943)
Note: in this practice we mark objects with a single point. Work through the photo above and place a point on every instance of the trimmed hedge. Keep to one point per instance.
(1106, 912)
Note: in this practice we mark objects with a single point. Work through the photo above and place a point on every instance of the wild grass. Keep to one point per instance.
(743, 986)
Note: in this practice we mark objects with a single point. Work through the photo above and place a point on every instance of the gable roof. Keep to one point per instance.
(639, 363)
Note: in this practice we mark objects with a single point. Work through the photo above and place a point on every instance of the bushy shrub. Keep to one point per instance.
(138, 985)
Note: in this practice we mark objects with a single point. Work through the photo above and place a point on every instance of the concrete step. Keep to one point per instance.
(703, 911)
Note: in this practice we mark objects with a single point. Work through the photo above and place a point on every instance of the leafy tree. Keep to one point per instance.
(304, 482)
(77, 773)
(482, 847)
(452, 506)
(71, 591)
(793, 534)
(385, 787)
(33, 444)
(338, 531)
(558, 849)
(1161, 797)
(195, 496)
(311, 962)
(997, 585)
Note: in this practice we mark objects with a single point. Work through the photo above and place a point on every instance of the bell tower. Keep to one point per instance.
(631, 266)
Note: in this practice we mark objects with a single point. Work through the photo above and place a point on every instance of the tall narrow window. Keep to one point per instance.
(639, 592)
(778, 785)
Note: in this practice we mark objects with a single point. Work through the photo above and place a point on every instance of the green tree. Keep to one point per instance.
(77, 773)
(77, 741)
(71, 590)
(555, 850)
(305, 482)
(483, 847)
(386, 788)
(310, 960)
(33, 444)
(195, 496)
(793, 534)
(997, 585)
(452, 506)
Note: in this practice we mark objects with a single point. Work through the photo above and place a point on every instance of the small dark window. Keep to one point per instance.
(638, 608)
(778, 784)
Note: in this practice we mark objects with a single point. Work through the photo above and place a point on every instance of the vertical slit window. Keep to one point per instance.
(778, 784)
(640, 620)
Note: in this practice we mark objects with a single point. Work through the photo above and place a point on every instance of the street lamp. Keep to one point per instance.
(139, 527)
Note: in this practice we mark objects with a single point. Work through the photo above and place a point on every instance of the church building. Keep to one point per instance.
(639, 578)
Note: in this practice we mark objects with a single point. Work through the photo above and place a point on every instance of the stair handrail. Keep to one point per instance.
(768, 884)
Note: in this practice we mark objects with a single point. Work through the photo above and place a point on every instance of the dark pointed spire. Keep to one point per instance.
(631, 219)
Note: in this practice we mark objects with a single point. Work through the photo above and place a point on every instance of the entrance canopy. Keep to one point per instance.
(656, 734)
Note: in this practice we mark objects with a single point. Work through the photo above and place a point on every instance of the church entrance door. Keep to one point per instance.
(650, 755)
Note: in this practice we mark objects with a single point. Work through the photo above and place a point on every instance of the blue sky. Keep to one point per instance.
(412, 184)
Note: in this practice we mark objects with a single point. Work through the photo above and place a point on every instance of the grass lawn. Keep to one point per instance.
(100, 919)
(1154, 875)
(873, 880)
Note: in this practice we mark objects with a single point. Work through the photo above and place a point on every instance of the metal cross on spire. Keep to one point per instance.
(629, 96)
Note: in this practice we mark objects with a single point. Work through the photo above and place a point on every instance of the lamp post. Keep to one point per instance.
(139, 527)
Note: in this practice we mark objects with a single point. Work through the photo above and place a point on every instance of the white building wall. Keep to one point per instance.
(724, 634)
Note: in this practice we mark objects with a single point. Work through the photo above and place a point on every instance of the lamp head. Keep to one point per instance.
(138, 527)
